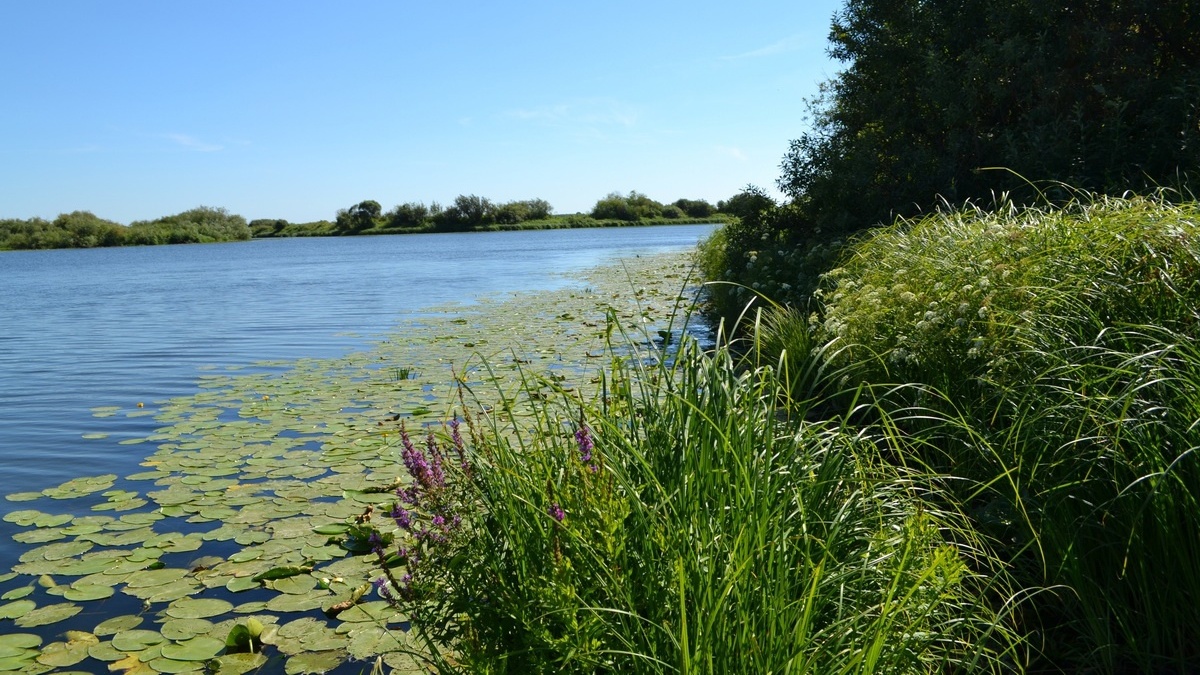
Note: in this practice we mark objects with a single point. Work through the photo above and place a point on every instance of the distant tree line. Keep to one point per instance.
(472, 213)
(83, 229)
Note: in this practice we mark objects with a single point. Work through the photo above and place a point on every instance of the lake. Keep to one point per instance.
(95, 328)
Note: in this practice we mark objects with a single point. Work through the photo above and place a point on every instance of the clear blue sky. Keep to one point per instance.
(134, 110)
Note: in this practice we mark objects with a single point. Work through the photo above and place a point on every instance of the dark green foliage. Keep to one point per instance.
(1103, 96)
(748, 203)
(196, 226)
(82, 229)
(362, 216)
(695, 208)
(267, 227)
(521, 211)
(466, 212)
(78, 229)
(634, 206)
(407, 215)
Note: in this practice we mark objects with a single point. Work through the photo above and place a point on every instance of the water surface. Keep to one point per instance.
(81, 329)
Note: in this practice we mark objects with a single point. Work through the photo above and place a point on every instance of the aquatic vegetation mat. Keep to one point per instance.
(232, 549)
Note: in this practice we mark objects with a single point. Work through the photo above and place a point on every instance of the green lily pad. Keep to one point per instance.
(118, 624)
(136, 639)
(23, 496)
(159, 577)
(104, 651)
(313, 662)
(184, 629)
(165, 665)
(17, 593)
(16, 609)
(238, 664)
(194, 649)
(198, 608)
(63, 654)
(84, 592)
(43, 616)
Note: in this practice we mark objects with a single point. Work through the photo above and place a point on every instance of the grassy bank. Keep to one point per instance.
(275, 229)
(978, 454)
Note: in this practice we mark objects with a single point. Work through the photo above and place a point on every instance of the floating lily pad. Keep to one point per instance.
(158, 577)
(183, 629)
(165, 665)
(23, 496)
(198, 608)
(194, 649)
(43, 616)
(84, 592)
(63, 654)
(17, 593)
(16, 609)
(238, 664)
(136, 639)
(118, 624)
(313, 662)
(20, 641)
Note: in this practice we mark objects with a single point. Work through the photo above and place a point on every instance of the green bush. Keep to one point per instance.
(1044, 359)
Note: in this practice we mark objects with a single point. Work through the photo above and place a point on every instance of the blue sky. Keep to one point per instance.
(134, 110)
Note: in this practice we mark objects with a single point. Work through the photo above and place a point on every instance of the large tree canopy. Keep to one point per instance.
(1098, 94)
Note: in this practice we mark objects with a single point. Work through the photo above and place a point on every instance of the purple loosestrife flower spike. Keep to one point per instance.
(402, 517)
(385, 592)
(376, 543)
(556, 512)
(584, 437)
(457, 438)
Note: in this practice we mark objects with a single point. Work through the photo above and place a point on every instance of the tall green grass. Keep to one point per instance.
(704, 533)
(1043, 362)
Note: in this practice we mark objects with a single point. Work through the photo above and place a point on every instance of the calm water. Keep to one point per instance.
(113, 327)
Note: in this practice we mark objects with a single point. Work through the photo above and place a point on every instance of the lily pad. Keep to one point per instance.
(136, 639)
(238, 664)
(84, 592)
(16, 609)
(184, 629)
(195, 649)
(118, 624)
(198, 608)
(313, 662)
(49, 614)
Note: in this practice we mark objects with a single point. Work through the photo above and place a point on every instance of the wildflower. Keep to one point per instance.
(584, 437)
(376, 543)
(556, 512)
(402, 517)
(459, 446)
(382, 587)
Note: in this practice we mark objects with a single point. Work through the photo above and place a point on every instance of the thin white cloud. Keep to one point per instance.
(788, 44)
(730, 151)
(595, 112)
(192, 143)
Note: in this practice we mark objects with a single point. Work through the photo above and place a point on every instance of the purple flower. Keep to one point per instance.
(376, 543)
(556, 512)
(584, 437)
(382, 587)
(402, 517)
(457, 438)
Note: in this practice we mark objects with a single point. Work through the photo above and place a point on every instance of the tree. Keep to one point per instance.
(467, 211)
(1103, 95)
(695, 208)
(747, 203)
(361, 216)
(407, 215)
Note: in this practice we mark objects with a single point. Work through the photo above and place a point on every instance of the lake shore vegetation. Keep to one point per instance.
(468, 213)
